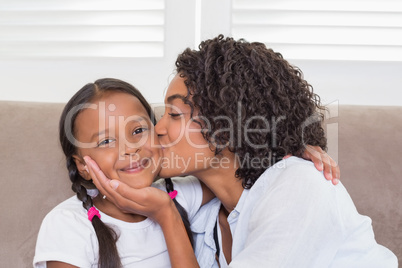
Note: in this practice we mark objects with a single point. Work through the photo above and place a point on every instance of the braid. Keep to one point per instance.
(107, 237)
(182, 211)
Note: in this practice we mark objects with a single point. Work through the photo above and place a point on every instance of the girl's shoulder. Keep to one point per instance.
(180, 184)
(189, 192)
(70, 204)
(70, 212)
(67, 220)
(179, 181)
(67, 235)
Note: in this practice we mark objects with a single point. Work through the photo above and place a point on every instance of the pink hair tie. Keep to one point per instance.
(172, 194)
(93, 212)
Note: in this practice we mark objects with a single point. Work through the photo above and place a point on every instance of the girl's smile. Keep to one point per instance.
(137, 166)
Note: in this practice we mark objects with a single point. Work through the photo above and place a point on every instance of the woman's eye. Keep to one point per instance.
(174, 114)
(105, 142)
(139, 130)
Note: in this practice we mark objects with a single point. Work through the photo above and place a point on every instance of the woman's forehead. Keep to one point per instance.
(177, 87)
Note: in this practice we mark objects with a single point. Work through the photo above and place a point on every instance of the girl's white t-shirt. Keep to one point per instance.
(66, 234)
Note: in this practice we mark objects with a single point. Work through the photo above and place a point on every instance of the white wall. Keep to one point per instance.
(56, 80)
(360, 83)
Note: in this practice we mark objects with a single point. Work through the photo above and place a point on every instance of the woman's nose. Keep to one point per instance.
(160, 128)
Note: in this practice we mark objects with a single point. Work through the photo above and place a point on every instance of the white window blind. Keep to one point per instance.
(323, 29)
(82, 28)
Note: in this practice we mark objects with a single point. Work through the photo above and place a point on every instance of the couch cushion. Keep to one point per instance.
(370, 147)
(33, 176)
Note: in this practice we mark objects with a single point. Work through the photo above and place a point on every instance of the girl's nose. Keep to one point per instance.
(128, 149)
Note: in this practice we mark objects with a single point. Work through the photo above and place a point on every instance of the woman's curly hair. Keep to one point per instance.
(263, 102)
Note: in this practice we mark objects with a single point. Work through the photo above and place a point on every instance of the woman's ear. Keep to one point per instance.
(82, 167)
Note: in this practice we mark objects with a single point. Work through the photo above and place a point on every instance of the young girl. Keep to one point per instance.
(111, 122)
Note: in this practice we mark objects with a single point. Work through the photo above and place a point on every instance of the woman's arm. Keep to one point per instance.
(180, 251)
(153, 203)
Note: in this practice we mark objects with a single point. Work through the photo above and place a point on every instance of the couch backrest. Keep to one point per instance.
(370, 157)
(33, 176)
(34, 179)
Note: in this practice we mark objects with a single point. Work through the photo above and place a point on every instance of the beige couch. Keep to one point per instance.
(33, 177)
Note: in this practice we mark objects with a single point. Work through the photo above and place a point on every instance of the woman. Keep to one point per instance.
(233, 112)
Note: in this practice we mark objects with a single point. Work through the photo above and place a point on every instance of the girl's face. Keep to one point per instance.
(117, 133)
(185, 150)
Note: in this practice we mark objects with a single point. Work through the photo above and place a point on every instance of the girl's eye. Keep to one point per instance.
(105, 142)
(139, 130)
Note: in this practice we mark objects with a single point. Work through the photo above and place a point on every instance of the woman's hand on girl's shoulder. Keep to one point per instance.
(323, 162)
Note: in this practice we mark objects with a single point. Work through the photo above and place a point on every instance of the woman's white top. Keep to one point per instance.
(292, 217)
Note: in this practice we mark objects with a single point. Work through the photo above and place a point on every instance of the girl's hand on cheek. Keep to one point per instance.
(149, 201)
